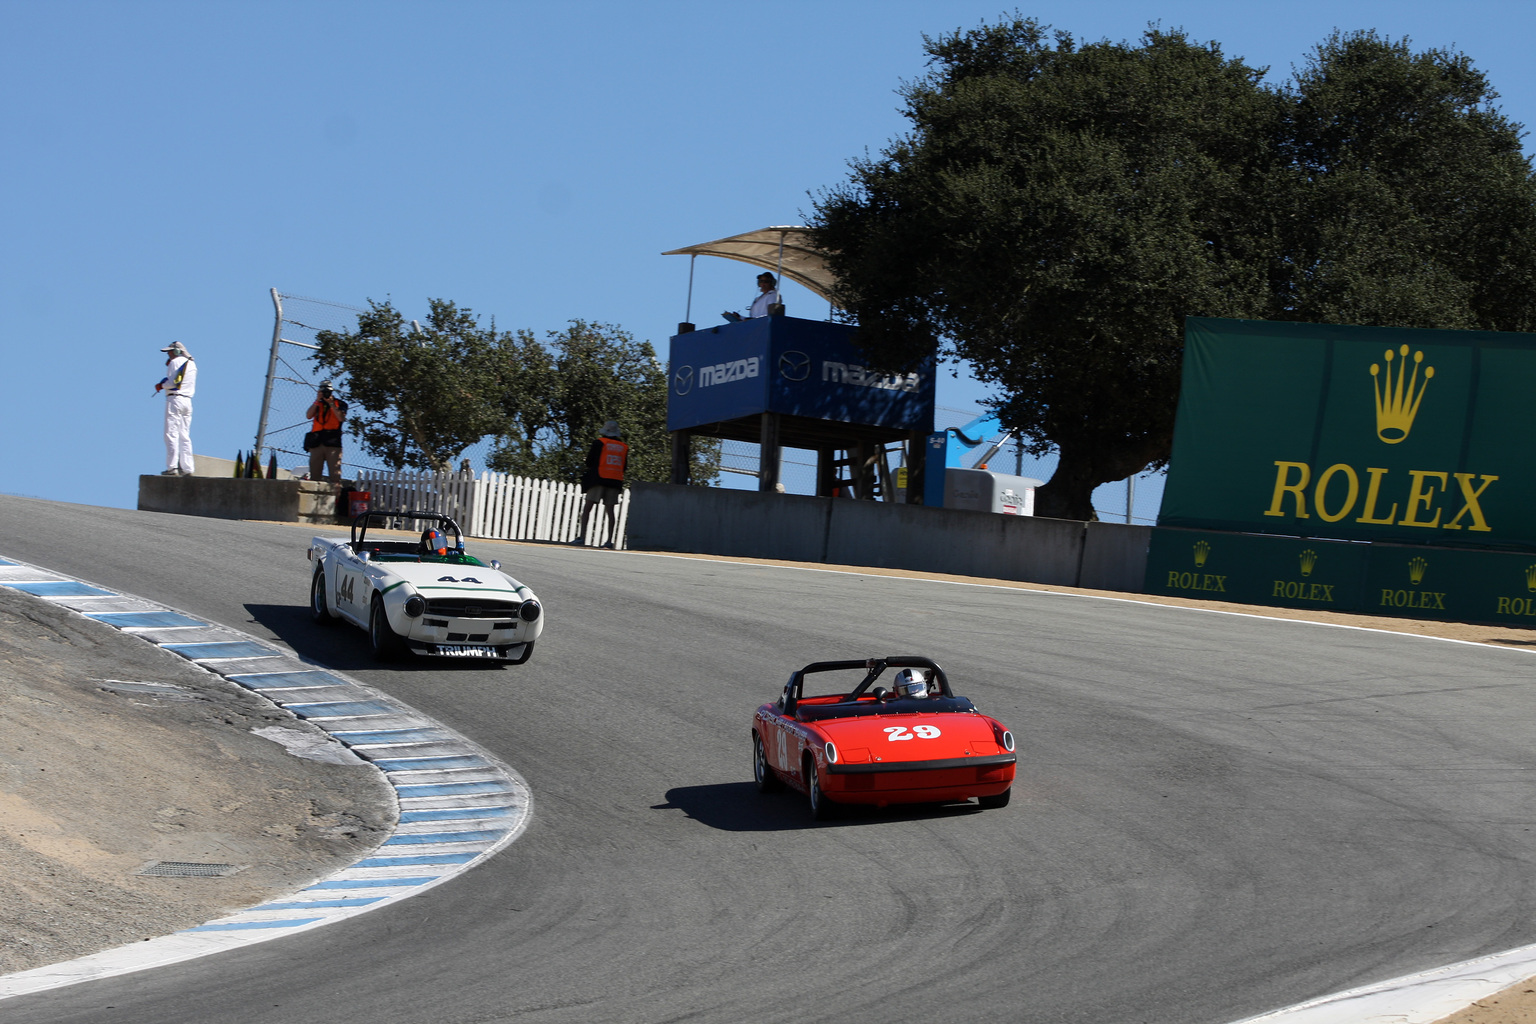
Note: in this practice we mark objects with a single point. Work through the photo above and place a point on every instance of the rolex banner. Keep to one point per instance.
(1296, 442)
(1378, 579)
(1358, 433)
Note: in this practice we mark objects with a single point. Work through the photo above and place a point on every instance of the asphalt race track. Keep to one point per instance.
(1214, 816)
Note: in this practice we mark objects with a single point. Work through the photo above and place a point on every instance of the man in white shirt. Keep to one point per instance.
(179, 382)
(770, 296)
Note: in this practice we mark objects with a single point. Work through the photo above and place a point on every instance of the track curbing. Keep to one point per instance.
(433, 840)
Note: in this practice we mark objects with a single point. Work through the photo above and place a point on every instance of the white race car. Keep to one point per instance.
(424, 594)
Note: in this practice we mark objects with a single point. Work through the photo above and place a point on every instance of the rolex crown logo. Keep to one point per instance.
(1416, 567)
(1308, 562)
(1530, 578)
(1398, 398)
(1202, 552)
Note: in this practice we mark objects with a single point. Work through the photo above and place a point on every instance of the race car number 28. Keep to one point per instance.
(900, 732)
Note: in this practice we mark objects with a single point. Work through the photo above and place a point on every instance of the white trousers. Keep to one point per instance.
(178, 433)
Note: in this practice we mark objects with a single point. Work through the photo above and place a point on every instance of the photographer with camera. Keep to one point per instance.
(323, 442)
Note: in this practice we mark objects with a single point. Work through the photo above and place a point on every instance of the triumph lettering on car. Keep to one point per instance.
(836, 736)
(412, 586)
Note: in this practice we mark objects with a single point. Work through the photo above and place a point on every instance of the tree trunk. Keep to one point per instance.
(1069, 492)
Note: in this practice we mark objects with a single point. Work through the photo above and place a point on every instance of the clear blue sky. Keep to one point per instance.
(165, 164)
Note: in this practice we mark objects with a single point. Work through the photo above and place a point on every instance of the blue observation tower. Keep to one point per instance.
(781, 381)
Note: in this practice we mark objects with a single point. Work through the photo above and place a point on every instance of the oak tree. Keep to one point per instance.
(584, 376)
(420, 394)
(1057, 210)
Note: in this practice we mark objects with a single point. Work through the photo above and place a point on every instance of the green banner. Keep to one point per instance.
(1376, 579)
(1363, 433)
(1284, 571)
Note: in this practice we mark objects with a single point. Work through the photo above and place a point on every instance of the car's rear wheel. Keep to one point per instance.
(319, 608)
(821, 807)
(1000, 800)
(767, 782)
(386, 643)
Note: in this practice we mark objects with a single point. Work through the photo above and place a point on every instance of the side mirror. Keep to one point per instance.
(496, 564)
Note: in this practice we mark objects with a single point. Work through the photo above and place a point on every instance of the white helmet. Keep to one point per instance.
(912, 682)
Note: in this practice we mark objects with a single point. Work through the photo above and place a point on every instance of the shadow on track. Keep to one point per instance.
(739, 807)
(344, 647)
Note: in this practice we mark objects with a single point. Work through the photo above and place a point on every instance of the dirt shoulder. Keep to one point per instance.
(95, 783)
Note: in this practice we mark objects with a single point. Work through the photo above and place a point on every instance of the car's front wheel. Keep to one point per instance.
(821, 807)
(386, 643)
(767, 782)
(319, 609)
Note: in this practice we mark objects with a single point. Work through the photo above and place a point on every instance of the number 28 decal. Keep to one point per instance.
(899, 732)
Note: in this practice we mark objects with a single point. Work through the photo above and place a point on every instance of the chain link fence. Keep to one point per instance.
(292, 378)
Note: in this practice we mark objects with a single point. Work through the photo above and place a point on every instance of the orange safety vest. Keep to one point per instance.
(610, 465)
(327, 420)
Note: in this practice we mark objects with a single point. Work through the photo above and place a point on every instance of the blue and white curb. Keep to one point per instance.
(458, 804)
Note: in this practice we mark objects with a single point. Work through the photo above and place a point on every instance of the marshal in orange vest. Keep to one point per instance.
(610, 464)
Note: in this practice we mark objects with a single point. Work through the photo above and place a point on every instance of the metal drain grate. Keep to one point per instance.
(187, 869)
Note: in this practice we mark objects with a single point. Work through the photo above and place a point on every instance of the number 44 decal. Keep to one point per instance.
(899, 732)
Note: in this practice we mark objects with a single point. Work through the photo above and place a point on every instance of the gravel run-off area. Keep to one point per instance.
(101, 776)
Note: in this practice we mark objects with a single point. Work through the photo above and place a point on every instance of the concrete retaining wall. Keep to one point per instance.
(283, 501)
(712, 521)
(1115, 557)
(1058, 552)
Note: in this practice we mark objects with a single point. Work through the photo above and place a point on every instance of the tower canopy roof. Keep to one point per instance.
(802, 263)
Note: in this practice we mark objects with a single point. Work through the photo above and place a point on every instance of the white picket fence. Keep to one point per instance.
(493, 506)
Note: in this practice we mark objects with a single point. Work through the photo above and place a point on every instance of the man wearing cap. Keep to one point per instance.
(179, 382)
(604, 480)
(323, 442)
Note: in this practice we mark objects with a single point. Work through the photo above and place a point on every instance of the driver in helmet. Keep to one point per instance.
(434, 543)
(912, 682)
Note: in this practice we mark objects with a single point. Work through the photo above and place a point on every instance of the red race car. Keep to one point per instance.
(865, 744)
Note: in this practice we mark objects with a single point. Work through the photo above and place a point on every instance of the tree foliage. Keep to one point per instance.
(585, 375)
(1058, 209)
(419, 397)
(1414, 202)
